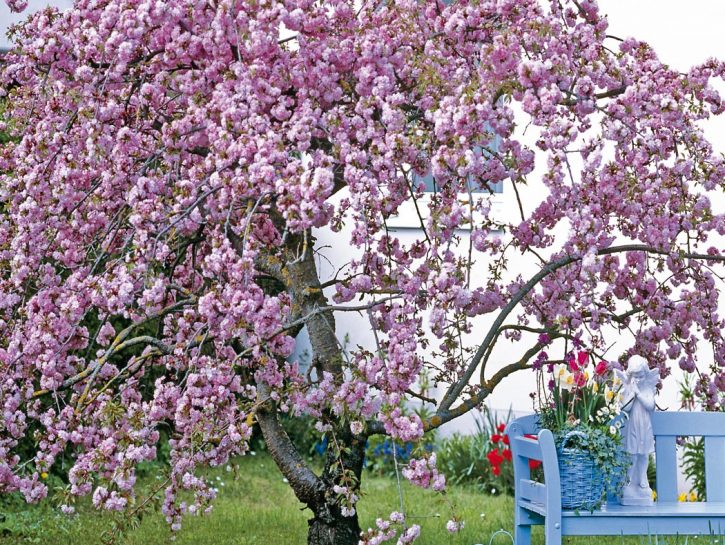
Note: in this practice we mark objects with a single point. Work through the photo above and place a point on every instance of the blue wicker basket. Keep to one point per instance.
(582, 481)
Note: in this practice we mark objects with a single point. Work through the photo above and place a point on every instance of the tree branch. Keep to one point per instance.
(118, 344)
(456, 388)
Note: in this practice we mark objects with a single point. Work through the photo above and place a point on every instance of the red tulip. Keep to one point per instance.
(494, 457)
(573, 365)
(582, 357)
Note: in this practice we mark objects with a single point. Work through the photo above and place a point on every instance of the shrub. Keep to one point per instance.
(482, 459)
(381, 452)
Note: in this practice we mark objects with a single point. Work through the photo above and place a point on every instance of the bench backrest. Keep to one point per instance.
(542, 448)
(667, 427)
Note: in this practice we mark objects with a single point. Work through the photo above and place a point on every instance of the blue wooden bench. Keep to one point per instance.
(540, 503)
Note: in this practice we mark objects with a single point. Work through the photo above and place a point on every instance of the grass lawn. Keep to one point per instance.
(259, 508)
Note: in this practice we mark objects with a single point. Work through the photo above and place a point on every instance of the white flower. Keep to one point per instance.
(567, 382)
(454, 526)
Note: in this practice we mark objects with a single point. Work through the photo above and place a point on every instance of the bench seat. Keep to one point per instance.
(661, 518)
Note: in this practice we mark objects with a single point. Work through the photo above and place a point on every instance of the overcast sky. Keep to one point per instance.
(682, 32)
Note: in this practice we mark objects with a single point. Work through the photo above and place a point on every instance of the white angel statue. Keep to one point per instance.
(639, 386)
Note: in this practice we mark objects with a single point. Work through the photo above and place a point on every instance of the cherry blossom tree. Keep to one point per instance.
(171, 162)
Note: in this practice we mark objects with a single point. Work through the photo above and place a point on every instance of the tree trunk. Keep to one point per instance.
(329, 526)
(345, 455)
(333, 529)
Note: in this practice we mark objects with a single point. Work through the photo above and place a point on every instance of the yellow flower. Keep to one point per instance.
(693, 496)
(595, 387)
(608, 394)
(654, 495)
(568, 382)
(682, 497)
(43, 475)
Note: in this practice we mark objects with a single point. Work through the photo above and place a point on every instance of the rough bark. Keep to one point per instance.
(329, 526)
(294, 266)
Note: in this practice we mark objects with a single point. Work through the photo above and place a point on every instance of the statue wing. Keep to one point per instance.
(652, 377)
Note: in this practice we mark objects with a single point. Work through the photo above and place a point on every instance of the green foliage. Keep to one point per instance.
(382, 453)
(5, 136)
(693, 457)
(693, 464)
(31, 525)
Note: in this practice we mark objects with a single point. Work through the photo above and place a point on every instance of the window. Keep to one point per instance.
(407, 217)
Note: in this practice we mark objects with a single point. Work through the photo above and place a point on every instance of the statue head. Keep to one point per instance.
(637, 367)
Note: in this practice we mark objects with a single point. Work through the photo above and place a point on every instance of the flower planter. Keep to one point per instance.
(582, 481)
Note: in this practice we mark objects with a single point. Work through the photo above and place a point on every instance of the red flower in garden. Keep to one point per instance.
(533, 464)
(506, 440)
(495, 438)
(601, 368)
(582, 358)
(494, 458)
(496, 470)
(507, 454)
(501, 427)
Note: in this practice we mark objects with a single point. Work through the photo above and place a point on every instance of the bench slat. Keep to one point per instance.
(652, 527)
(715, 468)
(666, 465)
(538, 508)
(659, 509)
(666, 423)
(533, 491)
(528, 448)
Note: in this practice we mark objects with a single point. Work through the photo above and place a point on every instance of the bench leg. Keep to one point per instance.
(552, 531)
(522, 534)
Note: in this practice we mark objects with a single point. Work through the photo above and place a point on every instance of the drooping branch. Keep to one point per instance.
(457, 387)
(121, 342)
